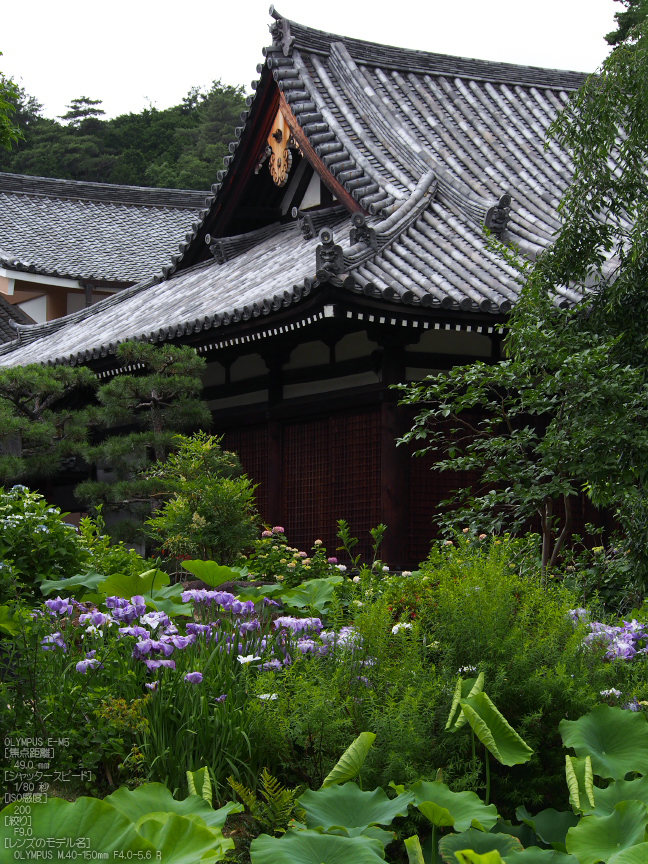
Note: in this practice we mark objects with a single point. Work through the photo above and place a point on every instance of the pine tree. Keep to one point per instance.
(42, 418)
(139, 413)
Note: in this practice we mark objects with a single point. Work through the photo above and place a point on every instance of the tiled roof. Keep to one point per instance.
(9, 313)
(92, 230)
(430, 147)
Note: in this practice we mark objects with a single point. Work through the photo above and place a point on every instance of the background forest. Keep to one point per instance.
(181, 147)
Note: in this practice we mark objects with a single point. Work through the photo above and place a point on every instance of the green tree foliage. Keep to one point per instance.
(9, 131)
(141, 412)
(635, 13)
(42, 418)
(209, 507)
(181, 147)
(81, 109)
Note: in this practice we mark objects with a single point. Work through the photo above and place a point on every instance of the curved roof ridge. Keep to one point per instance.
(112, 193)
(411, 60)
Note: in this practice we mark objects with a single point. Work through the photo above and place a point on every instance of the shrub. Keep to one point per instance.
(210, 510)
(487, 609)
(35, 543)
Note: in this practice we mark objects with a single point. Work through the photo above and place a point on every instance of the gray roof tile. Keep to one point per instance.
(92, 230)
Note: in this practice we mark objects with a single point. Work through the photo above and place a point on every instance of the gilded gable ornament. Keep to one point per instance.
(280, 143)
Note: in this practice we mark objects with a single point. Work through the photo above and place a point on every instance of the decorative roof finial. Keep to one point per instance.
(280, 31)
(498, 215)
(329, 257)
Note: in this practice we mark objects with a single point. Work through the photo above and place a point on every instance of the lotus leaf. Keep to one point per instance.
(634, 855)
(580, 782)
(168, 606)
(476, 841)
(620, 790)
(460, 810)
(199, 783)
(350, 808)
(524, 833)
(494, 731)
(312, 847)
(351, 761)
(616, 740)
(181, 840)
(535, 855)
(314, 594)
(550, 825)
(414, 851)
(467, 856)
(464, 689)
(107, 829)
(373, 831)
(156, 798)
(211, 573)
(72, 585)
(129, 585)
(597, 838)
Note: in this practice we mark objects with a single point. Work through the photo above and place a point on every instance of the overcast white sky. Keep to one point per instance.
(128, 52)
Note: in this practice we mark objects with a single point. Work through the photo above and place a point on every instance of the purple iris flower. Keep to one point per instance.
(268, 602)
(198, 629)
(306, 646)
(155, 664)
(116, 602)
(247, 626)
(83, 665)
(59, 606)
(49, 643)
(221, 698)
(271, 664)
(139, 632)
(181, 642)
(193, 677)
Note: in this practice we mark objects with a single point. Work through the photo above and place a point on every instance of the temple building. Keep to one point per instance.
(344, 249)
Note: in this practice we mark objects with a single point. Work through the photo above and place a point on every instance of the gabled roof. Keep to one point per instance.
(426, 150)
(92, 231)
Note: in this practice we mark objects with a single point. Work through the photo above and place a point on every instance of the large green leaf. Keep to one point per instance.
(494, 731)
(211, 573)
(634, 855)
(156, 798)
(580, 782)
(199, 783)
(535, 855)
(258, 592)
(616, 740)
(314, 594)
(463, 690)
(129, 585)
(458, 810)
(9, 620)
(477, 841)
(597, 838)
(620, 790)
(168, 606)
(550, 825)
(107, 829)
(312, 847)
(181, 840)
(350, 808)
(351, 761)
(468, 856)
(72, 585)
(414, 851)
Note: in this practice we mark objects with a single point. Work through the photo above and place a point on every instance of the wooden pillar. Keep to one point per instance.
(394, 462)
(275, 473)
